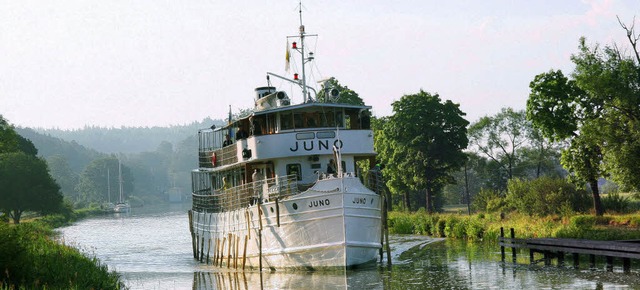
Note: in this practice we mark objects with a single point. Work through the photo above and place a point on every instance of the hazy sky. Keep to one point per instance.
(66, 64)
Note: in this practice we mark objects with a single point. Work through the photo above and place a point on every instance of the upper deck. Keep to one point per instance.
(297, 130)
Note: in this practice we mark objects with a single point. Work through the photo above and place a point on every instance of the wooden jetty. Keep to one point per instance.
(557, 248)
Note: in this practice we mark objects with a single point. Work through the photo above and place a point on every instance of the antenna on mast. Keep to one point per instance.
(304, 76)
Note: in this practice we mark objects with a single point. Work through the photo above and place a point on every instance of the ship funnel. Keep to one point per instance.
(272, 100)
(262, 92)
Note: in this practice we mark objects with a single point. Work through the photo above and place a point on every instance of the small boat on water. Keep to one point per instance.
(122, 205)
(280, 187)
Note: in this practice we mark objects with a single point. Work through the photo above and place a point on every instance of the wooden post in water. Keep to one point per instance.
(260, 234)
(531, 258)
(502, 247)
(626, 265)
(202, 249)
(208, 250)
(244, 252)
(386, 226)
(382, 222)
(547, 258)
(216, 251)
(592, 261)
(277, 213)
(229, 250)
(560, 258)
(576, 260)
(235, 262)
(609, 264)
(224, 239)
(513, 249)
(246, 214)
(193, 237)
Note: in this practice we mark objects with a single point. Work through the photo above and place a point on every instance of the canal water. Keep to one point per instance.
(151, 249)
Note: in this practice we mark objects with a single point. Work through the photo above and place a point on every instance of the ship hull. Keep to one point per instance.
(336, 223)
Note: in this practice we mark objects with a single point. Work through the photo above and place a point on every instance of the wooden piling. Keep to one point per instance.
(386, 225)
(235, 262)
(202, 249)
(246, 213)
(609, 263)
(244, 252)
(277, 213)
(531, 257)
(215, 251)
(224, 239)
(592, 261)
(560, 256)
(260, 234)
(501, 246)
(626, 265)
(513, 250)
(576, 260)
(208, 250)
(229, 251)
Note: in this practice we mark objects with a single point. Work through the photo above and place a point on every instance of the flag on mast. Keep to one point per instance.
(287, 57)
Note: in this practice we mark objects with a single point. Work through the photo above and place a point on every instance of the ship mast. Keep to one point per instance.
(302, 82)
(304, 76)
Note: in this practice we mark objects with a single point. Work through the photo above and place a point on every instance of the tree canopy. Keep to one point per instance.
(25, 185)
(423, 139)
(345, 96)
(100, 176)
(597, 111)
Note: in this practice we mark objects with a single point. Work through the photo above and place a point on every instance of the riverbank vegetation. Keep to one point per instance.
(31, 257)
(486, 227)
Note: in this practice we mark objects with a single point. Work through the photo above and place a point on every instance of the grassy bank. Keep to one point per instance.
(31, 258)
(486, 227)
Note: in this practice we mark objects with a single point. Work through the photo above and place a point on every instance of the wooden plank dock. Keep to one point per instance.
(557, 248)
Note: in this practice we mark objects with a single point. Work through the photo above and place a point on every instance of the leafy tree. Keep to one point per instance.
(8, 137)
(346, 95)
(100, 175)
(64, 176)
(563, 111)
(25, 185)
(500, 137)
(597, 112)
(423, 139)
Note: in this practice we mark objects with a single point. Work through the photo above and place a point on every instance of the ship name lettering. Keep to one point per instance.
(319, 203)
(310, 145)
(359, 200)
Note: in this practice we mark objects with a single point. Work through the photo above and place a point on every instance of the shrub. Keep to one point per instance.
(400, 223)
(31, 259)
(545, 196)
(488, 200)
(616, 203)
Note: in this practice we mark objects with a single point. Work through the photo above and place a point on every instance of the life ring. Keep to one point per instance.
(213, 159)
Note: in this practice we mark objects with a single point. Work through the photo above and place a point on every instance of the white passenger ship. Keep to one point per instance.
(284, 190)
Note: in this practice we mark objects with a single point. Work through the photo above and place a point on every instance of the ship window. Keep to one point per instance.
(316, 166)
(339, 119)
(294, 169)
(286, 122)
(297, 120)
(326, 134)
(305, 136)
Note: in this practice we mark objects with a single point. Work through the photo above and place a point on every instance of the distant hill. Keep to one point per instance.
(129, 139)
(77, 156)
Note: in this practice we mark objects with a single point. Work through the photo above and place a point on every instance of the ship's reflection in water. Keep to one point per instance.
(353, 279)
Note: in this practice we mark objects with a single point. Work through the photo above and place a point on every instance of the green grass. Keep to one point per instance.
(31, 258)
(486, 227)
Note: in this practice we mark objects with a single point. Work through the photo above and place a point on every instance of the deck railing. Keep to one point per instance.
(245, 195)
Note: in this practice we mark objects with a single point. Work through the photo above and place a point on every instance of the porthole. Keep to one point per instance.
(271, 208)
(295, 206)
